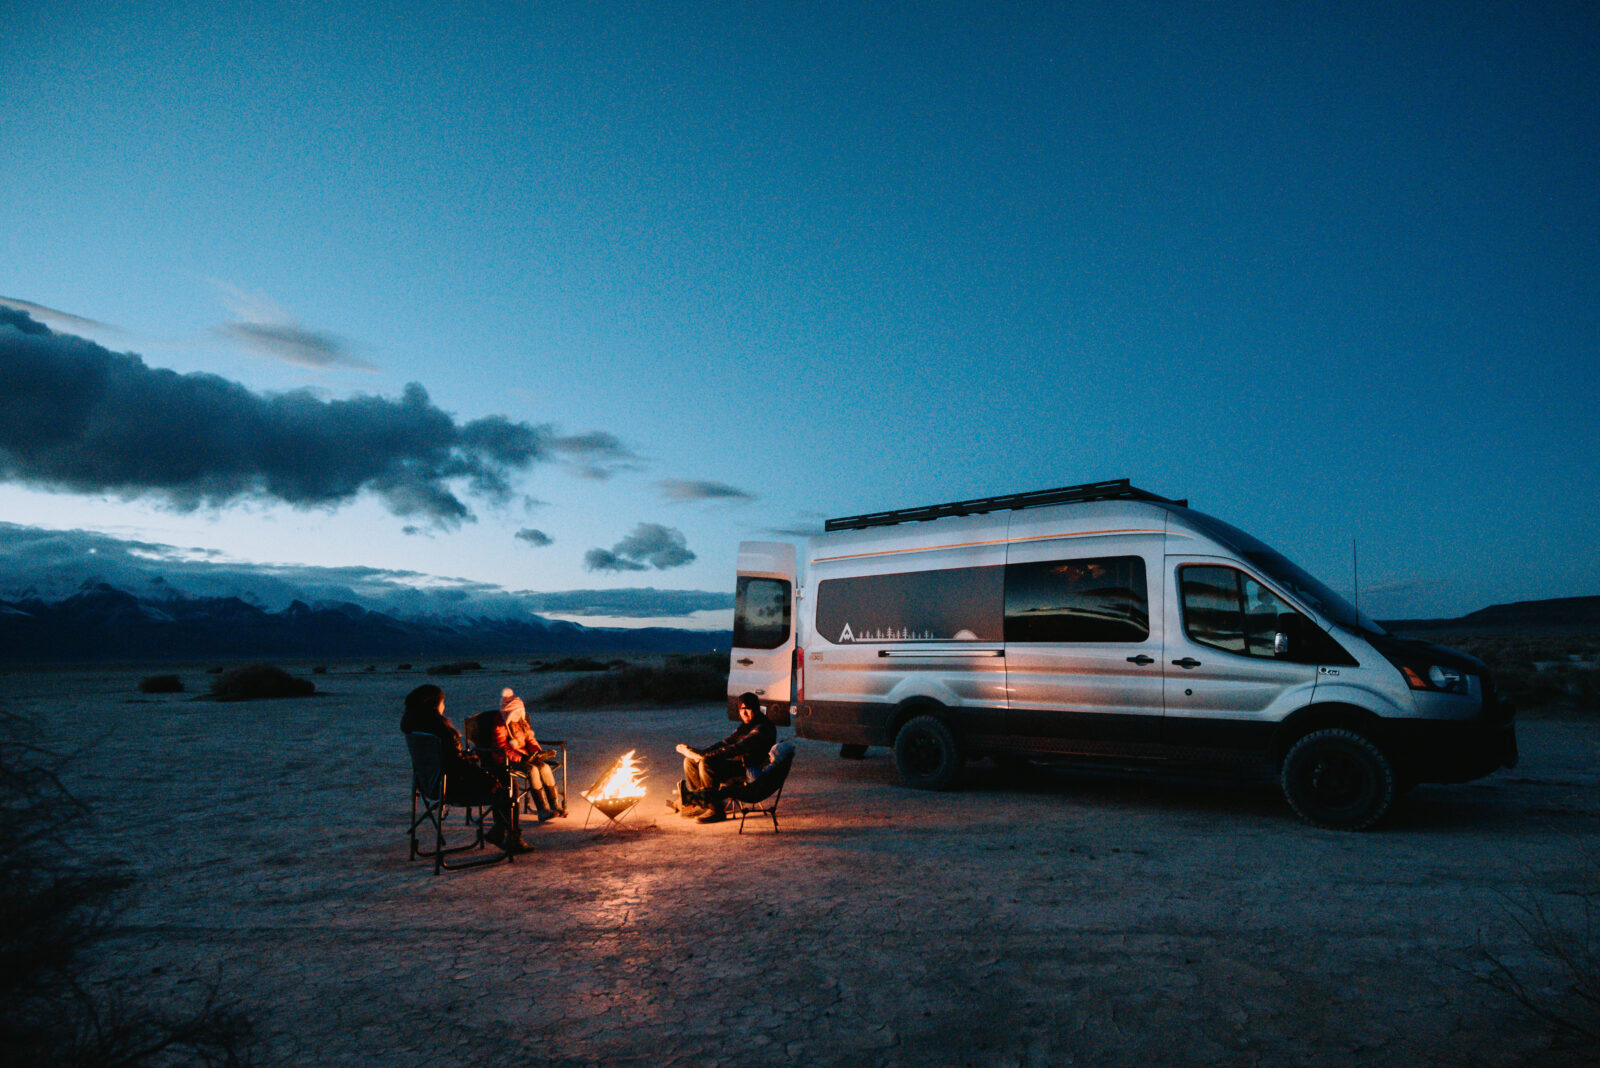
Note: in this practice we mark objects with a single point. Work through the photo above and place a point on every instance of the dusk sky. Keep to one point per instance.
(573, 297)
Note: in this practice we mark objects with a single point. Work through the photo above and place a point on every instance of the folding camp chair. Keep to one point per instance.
(480, 739)
(759, 796)
(429, 794)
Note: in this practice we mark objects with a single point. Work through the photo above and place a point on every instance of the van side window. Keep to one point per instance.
(1097, 600)
(760, 613)
(1227, 609)
(959, 604)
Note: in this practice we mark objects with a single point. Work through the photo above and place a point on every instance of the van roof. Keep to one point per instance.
(1113, 489)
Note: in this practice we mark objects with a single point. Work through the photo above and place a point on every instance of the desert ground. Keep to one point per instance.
(1071, 918)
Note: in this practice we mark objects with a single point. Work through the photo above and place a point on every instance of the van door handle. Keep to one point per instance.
(745, 661)
(1187, 662)
(1141, 659)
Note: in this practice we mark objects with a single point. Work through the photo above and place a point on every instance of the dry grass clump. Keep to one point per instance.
(680, 680)
(57, 906)
(161, 684)
(255, 682)
(577, 663)
(455, 668)
(1567, 939)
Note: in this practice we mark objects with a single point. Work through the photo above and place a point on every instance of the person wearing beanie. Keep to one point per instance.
(520, 749)
(727, 761)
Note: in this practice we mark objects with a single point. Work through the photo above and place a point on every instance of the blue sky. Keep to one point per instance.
(1330, 271)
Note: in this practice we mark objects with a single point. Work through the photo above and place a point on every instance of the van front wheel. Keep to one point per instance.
(927, 755)
(1340, 779)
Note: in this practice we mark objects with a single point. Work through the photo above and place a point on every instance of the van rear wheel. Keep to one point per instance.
(927, 755)
(1340, 779)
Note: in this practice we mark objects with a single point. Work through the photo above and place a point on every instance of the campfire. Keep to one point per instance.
(619, 788)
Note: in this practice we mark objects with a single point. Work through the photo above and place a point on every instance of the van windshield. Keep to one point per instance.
(1288, 574)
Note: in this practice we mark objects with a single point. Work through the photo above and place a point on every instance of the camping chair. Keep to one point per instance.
(428, 791)
(480, 739)
(759, 796)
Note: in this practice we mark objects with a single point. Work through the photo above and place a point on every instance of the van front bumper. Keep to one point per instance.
(1450, 751)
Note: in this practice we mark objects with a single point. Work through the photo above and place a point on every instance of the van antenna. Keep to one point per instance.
(1355, 574)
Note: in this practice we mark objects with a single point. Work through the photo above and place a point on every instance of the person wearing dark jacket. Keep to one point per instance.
(465, 782)
(728, 760)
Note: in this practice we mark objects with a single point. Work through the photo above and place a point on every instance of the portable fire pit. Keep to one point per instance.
(616, 792)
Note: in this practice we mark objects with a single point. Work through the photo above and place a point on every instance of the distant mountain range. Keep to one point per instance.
(103, 623)
(1558, 614)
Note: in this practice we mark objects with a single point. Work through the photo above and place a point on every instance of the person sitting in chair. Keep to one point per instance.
(763, 782)
(465, 782)
(515, 746)
(727, 761)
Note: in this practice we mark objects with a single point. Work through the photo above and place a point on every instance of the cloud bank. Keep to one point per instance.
(650, 545)
(51, 315)
(78, 418)
(536, 538)
(54, 564)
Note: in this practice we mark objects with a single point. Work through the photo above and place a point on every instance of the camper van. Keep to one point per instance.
(1102, 623)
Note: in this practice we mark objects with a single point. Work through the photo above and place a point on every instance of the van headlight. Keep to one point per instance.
(1437, 677)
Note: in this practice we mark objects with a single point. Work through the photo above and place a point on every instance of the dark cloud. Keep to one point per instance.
(294, 344)
(606, 560)
(650, 545)
(52, 564)
(77, 417)
(678, 489)
(595, 455)
(803, 525)
(536, 538)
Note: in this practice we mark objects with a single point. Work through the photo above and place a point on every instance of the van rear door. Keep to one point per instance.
(762, 658)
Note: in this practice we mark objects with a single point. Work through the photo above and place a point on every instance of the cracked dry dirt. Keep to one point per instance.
(1070, 918)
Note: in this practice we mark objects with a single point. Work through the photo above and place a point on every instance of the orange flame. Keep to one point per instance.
(625, 780)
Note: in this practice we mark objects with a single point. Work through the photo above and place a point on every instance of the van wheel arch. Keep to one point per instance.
(1325, 717)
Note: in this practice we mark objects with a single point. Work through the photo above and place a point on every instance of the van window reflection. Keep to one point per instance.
(1103, 599)
(760, 613)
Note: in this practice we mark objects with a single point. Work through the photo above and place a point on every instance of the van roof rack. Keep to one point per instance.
(1115, 489)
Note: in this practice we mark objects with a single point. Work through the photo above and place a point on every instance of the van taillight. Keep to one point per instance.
(799, 674)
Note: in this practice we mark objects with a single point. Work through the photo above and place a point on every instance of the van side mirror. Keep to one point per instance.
(1290, 632)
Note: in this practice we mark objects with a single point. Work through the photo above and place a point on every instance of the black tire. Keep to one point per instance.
(1340, 779)
(927, 754)
(852, 752)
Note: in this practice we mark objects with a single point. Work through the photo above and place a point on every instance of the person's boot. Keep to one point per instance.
(514, 845)
(714, 814)
(496, 834)
(553, 802)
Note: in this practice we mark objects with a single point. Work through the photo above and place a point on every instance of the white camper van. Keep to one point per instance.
(1102, 623)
